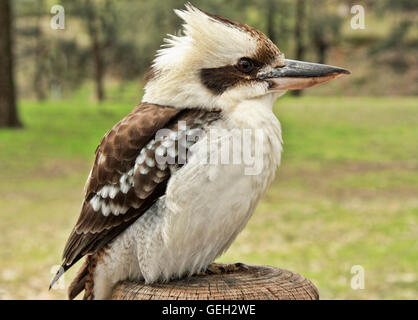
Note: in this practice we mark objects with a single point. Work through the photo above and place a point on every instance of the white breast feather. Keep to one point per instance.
(204, 209)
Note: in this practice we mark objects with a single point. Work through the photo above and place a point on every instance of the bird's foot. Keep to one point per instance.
(220, 268)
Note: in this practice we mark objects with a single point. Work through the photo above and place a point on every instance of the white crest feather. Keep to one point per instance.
(212, 42)
(205, 42)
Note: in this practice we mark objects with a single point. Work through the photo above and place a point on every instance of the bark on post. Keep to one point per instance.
(225, 282)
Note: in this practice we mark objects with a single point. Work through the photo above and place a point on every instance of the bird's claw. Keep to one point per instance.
(219, 268)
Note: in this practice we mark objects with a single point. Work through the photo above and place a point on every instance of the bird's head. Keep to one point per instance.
(217, 63)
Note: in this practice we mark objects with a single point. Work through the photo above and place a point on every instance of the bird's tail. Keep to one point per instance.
(79, 282)
(84, 280)
(58, 275)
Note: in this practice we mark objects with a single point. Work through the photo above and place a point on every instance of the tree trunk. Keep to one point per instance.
(93, 26)
(271, 29)
(38, 80)
(225, 282)
(299, 29)
(320, 33)
(321, 49)
(8, 112)
(98, 69)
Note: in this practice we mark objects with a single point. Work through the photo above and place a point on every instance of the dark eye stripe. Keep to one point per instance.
(220, 79)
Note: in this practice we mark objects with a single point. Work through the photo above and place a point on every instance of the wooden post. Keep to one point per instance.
(225, 282)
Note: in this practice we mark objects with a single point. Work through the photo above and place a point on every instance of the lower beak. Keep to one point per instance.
(296, 75)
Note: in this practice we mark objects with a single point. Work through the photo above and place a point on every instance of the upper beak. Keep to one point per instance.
(296, 75)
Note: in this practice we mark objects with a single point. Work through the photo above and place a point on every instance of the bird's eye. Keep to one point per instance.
(245, 65)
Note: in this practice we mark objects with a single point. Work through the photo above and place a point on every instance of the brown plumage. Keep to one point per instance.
(115, 155)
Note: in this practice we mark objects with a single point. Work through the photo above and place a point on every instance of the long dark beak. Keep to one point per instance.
(295, 75)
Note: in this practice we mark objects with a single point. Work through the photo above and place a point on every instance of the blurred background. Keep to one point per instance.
(345, 195)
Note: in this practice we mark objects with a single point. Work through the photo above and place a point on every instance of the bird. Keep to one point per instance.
(158, 203)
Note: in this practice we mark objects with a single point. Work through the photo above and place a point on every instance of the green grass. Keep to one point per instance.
(346, 193)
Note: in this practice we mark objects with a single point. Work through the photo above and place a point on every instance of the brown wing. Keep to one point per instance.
(125, 181)
(110, 204)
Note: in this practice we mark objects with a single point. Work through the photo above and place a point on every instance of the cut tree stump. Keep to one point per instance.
(225, 282)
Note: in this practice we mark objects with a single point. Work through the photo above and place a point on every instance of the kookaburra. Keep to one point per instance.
(151, 221)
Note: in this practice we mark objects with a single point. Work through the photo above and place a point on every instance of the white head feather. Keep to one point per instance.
(206, 42)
